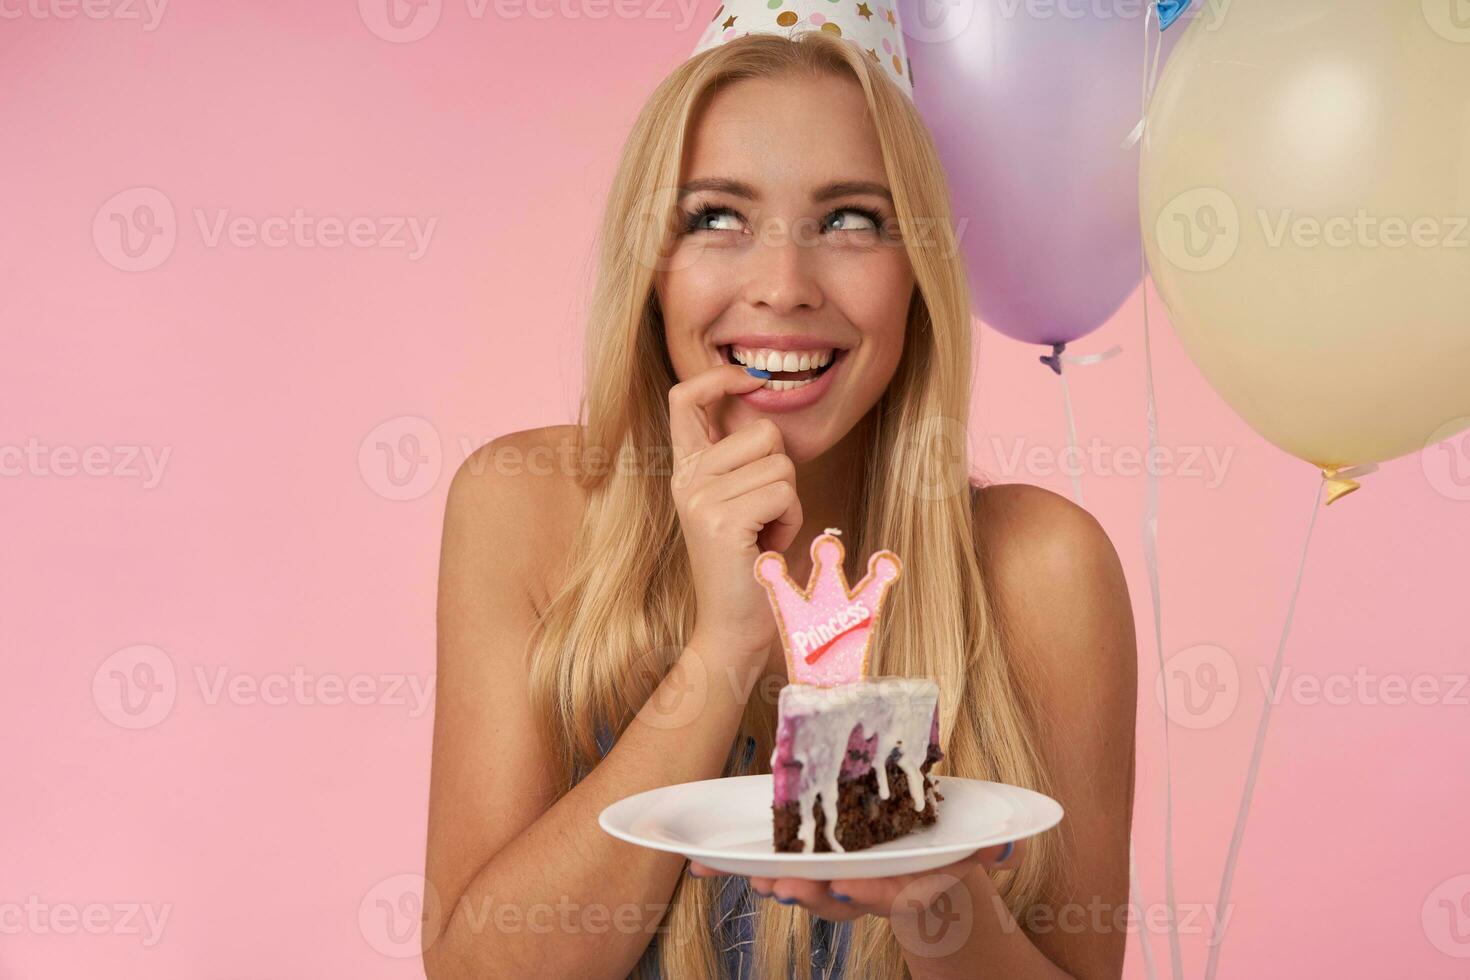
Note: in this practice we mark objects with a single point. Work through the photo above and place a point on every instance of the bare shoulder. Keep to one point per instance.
(1058, 585)
(517, 497)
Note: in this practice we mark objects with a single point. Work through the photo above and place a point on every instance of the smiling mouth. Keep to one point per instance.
(788, 369)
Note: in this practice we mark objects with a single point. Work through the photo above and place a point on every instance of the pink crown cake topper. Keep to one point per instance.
(826, 627)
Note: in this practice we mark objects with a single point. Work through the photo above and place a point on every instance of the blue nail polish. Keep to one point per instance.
(840, 898)
(1010, 849)
(787, 901)
(757, 372)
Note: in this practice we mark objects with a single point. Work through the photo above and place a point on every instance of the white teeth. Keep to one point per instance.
(766, 359)
(787, 385)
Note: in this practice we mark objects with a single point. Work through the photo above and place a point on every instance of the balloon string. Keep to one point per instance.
(1150, 75)
(1150, 529)
(1238, 834)
(1072, 441)
(1055, 362)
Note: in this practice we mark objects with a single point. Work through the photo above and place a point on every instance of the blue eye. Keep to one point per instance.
(873, 218)
(693, 219)
(696, 220)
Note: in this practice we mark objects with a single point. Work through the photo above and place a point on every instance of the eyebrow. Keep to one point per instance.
(827, 192)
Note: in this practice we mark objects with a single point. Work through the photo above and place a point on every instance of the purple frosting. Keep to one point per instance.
(786, 771)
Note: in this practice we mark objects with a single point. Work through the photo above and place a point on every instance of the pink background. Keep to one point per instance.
(270, 821)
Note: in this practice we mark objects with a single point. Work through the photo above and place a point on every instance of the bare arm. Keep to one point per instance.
(523, 881)
(1058, 581)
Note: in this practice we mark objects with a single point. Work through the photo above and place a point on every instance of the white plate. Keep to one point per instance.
(726, 824)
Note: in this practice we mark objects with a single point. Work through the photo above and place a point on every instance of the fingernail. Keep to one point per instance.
(757, 372)
(761, 893)
(1006, 852)
(838, 896)
(695, 874)
(787, 901)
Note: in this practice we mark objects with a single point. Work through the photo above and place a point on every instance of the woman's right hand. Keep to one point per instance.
(736, 497)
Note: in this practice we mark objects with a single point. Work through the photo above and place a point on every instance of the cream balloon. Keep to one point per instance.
(1305, 201)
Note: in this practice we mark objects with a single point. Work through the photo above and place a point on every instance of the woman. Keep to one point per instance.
(779, 208)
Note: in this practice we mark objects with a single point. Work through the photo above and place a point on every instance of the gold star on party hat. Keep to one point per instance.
(872, 25)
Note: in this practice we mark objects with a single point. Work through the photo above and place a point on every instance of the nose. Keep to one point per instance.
(782, 269)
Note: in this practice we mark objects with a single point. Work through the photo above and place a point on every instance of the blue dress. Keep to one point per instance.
(733, 932)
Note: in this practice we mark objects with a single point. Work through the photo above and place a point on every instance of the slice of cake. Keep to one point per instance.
(828, 792)
(852, 758)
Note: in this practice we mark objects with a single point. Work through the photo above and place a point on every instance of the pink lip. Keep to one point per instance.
(769, 400)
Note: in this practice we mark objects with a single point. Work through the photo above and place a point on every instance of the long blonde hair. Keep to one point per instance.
(626, 606)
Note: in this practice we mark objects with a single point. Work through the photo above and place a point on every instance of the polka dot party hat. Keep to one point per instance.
(870, 24)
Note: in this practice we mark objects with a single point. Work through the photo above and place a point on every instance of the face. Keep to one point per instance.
(789, 258)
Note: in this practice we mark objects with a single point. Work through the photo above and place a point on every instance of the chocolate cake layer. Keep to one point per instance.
(864, 818)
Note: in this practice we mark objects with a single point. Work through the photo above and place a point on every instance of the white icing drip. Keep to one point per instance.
(899, 710)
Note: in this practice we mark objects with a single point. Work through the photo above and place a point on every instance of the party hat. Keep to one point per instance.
(871, 25)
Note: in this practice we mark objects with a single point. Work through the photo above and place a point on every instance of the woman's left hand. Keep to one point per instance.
(850, 898)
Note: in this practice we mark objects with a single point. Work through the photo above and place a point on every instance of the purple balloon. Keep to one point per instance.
(1029, 103)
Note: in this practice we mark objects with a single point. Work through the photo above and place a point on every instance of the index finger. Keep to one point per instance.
(690, 426)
